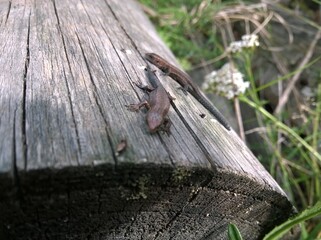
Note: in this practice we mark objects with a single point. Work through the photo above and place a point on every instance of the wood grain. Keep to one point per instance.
(68, 70)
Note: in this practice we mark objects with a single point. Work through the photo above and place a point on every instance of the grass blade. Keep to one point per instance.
(307, 214)
(234, 233)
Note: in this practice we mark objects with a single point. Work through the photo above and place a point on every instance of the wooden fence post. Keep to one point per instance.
(68, 68)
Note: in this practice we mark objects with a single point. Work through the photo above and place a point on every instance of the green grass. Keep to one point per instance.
(310, 213)
(196, 34)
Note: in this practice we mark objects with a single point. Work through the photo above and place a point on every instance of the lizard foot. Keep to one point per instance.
(136, 107)
(183, 89)
(166, 126)
(133, 107)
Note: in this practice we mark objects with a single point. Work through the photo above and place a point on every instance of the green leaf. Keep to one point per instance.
(234, 233)
(307, 214)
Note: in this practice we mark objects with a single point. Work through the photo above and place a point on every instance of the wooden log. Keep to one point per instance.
(68, 70)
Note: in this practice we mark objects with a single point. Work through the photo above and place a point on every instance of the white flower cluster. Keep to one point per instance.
(227, 81)
(248, 41)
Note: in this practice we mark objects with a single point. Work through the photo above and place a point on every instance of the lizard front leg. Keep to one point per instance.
(146, 88)
(135, 107)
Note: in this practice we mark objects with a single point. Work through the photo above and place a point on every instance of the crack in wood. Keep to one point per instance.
(107, 128)
(194, 135)
(24, 102)
(67, 86)
(192, 197)
(15, 173)
(8, 12)
(124, 30)
(115, 49)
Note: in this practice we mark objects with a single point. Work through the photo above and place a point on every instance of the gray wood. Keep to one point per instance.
(68, 70)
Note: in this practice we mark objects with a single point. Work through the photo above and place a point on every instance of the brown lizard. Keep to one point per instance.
(158, 104)
(188, 85)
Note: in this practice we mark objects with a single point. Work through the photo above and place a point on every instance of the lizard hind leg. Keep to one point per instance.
(166, 126)
(184, 89)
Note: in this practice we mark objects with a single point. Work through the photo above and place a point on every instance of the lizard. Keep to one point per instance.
(158, 104)
(187, 84)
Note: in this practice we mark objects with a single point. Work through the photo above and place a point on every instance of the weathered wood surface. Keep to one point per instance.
(68, 69)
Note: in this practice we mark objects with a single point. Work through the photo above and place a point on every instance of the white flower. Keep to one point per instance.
(251, 40)
(227, 81)
(248, 41)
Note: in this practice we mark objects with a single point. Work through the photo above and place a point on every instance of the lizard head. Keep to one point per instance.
(150, 57)
(154, 121)
(154, 59)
